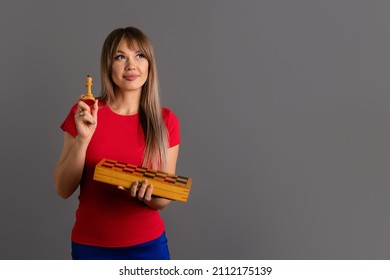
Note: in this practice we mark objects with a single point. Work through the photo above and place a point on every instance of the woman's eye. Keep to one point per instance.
(140, 55)
(119, 57)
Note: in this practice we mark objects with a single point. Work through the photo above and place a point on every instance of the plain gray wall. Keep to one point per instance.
(285, 122)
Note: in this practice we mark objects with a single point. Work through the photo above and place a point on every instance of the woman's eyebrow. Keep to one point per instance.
(136, 51)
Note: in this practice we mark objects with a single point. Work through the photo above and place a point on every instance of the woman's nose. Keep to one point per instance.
(130, 65)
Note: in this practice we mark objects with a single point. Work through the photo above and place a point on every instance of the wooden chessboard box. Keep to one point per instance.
(165, 185)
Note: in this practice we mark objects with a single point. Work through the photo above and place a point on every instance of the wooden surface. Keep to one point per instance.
(165, 185)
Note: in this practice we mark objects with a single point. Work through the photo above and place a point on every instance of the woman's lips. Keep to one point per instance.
(130, 77)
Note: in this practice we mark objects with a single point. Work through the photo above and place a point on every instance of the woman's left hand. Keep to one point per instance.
(144, 192)
(141, 189)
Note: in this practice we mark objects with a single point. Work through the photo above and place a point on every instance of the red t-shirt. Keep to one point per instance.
(107, 216)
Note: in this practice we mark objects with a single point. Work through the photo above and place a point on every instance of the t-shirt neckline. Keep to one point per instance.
(120, 115)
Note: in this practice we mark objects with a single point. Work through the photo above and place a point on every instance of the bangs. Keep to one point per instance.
(138, 42)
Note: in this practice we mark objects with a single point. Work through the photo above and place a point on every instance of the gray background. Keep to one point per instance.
(284, 109)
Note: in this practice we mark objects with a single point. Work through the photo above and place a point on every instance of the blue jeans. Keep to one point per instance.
(156, 249)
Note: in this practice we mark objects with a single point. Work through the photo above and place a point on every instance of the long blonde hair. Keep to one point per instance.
(150, 113)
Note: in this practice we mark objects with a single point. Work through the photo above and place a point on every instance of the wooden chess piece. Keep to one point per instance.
(89, 98)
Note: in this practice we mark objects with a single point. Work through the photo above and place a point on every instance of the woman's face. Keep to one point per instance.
(129, 68)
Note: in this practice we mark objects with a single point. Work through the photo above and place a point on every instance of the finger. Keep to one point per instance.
(84, 113)
(149, 192)
(121, 188)
(134, 189)
(86, 118)
(82, 105)
(81, 97)
(142, 190)
(95, 109)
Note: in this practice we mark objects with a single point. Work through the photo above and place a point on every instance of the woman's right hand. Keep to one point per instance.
(86, 120)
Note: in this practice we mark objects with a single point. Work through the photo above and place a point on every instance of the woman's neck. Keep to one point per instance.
(126, 103)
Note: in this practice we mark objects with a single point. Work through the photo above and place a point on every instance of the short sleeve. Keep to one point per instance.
(173, 127)
(69, 125)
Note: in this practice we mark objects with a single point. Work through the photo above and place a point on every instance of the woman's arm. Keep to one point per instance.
(69, 169)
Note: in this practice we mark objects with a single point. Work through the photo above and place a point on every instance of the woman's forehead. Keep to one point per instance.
(129, 43)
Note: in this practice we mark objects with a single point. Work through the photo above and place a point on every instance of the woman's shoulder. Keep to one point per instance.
(168, 114)
(170, 119)
(172, 125)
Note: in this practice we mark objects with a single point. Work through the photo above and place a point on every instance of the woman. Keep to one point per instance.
(127, 124)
